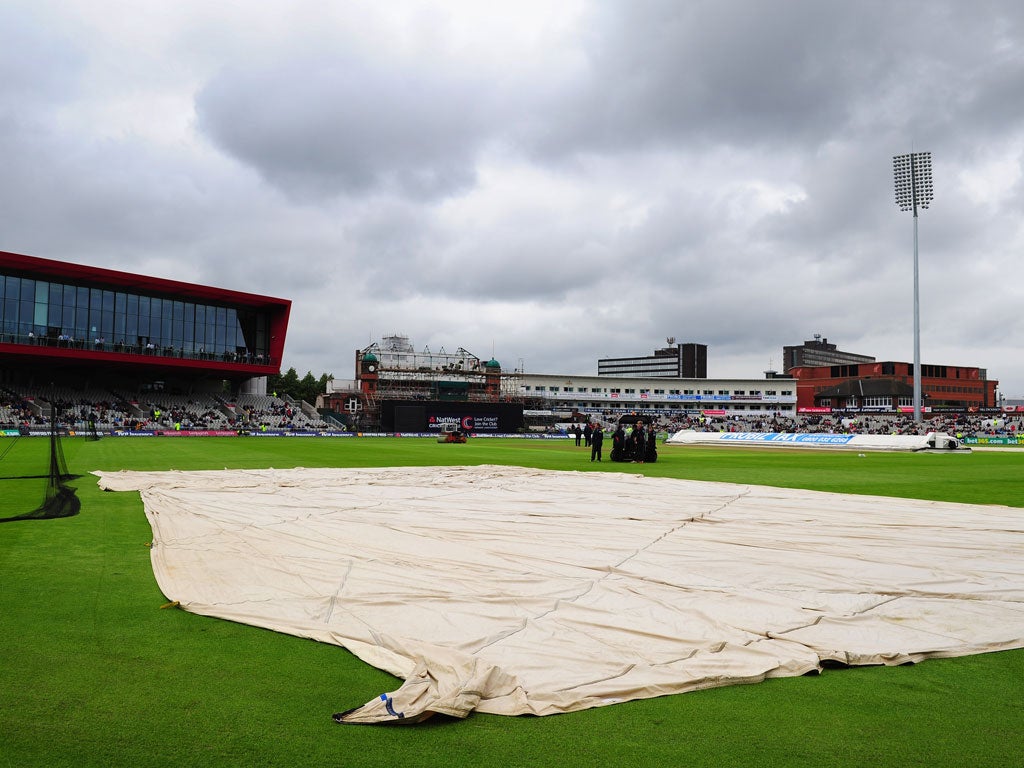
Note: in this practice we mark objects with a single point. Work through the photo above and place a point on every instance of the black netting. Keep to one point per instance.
(59, 499)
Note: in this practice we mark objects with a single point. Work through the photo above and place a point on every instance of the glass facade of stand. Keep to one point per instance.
(85, 317)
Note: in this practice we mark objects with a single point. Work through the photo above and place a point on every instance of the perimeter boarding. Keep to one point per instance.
(932, 441)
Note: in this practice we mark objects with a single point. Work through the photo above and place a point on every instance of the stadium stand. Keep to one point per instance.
(278, 413)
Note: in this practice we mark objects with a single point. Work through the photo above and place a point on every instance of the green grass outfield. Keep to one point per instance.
(94, 673)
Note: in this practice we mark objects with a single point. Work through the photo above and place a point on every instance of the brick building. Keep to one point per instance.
(889, 386)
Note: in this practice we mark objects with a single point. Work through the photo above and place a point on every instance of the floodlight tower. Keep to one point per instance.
(913, 177)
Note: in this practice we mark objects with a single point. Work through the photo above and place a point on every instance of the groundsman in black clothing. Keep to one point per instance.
(638, 443)
(651, 454)
(596, 439)
(619, 444)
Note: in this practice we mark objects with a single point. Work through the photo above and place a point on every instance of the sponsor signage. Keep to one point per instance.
(661, 398)
(219, 433)
(786, 438)
(439, 422)
(279, 433)
(197, 433)
(992, 440)
(701, 398)
(436, 417)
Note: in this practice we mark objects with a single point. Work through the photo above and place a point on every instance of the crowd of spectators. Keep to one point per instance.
(154, 411)
(15, 412)
(183, 413)
(100, 343)
(966, 425)
(74, 408)
(271, 412)
(151, 411)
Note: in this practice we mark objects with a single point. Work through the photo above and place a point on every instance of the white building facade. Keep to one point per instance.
(605, 396)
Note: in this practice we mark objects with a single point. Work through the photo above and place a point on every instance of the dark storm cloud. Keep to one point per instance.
(91, 200)
(68, 193)
(555, 183)
(669, 72)
(333, 123)
(785, 75)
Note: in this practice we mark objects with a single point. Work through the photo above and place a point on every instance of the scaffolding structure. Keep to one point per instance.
(396, 353)
(402, 373)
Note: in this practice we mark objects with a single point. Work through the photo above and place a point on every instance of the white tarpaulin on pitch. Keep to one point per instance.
(513, 591)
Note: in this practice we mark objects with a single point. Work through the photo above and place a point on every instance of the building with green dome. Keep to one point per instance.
(400, 388)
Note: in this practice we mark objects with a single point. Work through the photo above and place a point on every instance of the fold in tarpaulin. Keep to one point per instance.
(520, 591)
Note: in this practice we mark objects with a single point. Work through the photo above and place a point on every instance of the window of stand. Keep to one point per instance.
(70, 316)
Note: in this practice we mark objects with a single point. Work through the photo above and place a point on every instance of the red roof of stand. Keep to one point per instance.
(278, 311)
(36, 267)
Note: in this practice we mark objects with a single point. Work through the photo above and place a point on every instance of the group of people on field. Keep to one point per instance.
(639, 445)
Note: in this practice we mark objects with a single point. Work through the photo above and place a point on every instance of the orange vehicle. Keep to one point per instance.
(452, 435)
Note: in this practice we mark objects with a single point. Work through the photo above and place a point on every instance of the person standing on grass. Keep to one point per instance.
(618, 444)
(596, 441)
(637, 444)
(651, 449)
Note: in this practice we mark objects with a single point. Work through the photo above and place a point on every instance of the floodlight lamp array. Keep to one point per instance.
(913, 176)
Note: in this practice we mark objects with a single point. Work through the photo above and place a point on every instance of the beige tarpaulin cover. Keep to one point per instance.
(512, 590)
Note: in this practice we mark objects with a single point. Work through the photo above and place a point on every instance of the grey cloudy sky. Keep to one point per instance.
(547, 183)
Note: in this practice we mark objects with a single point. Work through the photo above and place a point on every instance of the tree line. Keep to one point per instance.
(307, 388)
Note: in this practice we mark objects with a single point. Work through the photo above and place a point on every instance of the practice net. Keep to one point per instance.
(58, 498)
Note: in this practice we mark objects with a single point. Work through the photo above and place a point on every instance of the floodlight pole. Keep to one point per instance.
(913, 177)
(917, 330)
